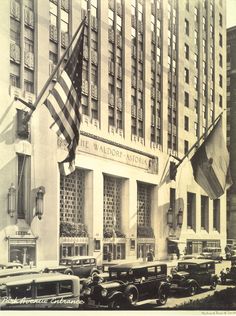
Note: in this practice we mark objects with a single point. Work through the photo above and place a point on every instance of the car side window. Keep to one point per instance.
(65, 287)
(46, 288)
(202, 267)
(210, 266)
(152, 271)
(20, 291)
(86, 261)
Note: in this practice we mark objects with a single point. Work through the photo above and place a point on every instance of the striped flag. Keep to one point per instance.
(64, 104)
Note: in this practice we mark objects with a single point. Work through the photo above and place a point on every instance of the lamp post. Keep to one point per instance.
(39, 202)
(170, 217)
(11, 200)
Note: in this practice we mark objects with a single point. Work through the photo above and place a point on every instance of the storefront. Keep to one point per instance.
(196, 246)
(114, 249)
(72, 246)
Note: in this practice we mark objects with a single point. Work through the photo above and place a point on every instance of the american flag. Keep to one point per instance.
(63, 103)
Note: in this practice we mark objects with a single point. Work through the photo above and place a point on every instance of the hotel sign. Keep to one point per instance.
(116, 153)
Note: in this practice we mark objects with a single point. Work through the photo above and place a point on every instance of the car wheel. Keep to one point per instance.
(131, 293)
(163, 296)
(192, 290)
(213, 284)
(115, 304)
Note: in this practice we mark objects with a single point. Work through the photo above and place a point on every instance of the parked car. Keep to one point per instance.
(191, 275)
(82, 266)
(128, 283)
(14, 272)
(11, 265)
(214, 253)
(229, 273)
(39, 291)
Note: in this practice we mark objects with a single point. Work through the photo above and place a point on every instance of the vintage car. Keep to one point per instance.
(39, 291)
(214, 253)
(10, 265)
(14, 272)
(229, 273)
(128, 284)
(82, 266)
(191, 275)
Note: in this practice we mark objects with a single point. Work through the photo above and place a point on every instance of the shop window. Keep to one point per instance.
(20, 291)
(21, 253)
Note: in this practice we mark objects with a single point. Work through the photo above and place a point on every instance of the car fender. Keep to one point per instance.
(68, 271)
(94, 270)
(115, 295)
(164, 286)
(192, 281)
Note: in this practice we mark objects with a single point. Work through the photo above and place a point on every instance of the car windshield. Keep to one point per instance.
(186, 267)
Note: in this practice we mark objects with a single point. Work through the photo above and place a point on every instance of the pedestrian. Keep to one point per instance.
(150, 255)
(177, 252)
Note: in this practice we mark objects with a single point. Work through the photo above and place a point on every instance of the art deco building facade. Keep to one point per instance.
(231, 138)
(153, 82)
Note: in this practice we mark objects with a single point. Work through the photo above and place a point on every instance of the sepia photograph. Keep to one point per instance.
(118, 157)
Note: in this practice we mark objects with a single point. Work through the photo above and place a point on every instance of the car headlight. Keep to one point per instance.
(103, 292)
(87, 291)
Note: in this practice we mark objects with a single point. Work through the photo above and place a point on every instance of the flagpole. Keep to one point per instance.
(39, 97)
(203, 135)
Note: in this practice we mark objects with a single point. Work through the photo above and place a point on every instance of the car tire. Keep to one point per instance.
(192, 289)
(213, 284)
(131, 293)
(115, 304)
(163, 296)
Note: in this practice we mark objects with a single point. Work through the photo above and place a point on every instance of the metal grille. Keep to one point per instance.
(144, 204)
(72, 191)
(112, 203)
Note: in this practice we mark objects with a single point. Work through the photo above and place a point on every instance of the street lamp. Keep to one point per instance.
(180, 217)
(170, 217)
(39, 202)
(11, 200)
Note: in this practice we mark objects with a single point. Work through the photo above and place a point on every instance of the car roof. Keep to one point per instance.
(196, 261)
(135, 265)
(12, 272)
(11, 264)
(78, 257)
(42, 277)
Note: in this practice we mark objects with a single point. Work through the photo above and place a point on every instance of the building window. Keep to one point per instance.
(186, 123)
(186, 99)
(144, 204)
(221, 81)
(191, 210)
(220, 60)
(186, 24)
(186, 51)
(204, 212)
(220, 19)
(186, 75)
(72, 197)
(112, 204)
(23, 197)
(186, 147)
(216, 214)
(196, 105)
(220, 40)
(220, 101)
(172, 199)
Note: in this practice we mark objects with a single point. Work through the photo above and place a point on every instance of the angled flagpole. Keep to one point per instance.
(175, 166)
(39, 97)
